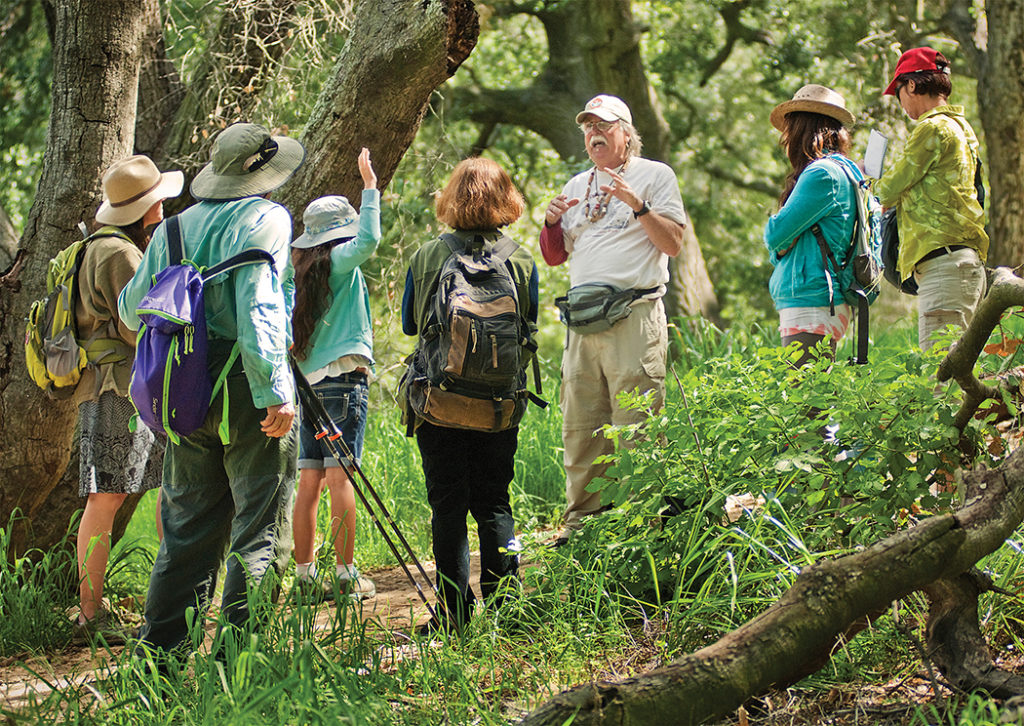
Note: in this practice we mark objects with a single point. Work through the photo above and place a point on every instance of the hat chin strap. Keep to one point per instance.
(267, 151)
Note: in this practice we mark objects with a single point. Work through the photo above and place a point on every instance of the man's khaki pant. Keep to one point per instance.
(595, 368)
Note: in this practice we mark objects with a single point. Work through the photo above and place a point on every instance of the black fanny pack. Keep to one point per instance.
(596, 307)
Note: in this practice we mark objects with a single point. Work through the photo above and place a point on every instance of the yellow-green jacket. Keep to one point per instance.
(932, 185)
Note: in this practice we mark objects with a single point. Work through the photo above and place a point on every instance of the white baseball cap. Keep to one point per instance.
(607, 108)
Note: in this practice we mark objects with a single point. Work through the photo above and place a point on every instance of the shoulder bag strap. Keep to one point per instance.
(175, 248)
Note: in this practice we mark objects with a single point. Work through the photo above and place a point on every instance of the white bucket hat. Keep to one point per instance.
(606, 108)
(327, 219)
(246, 161)
(816, 99)
(131, 186)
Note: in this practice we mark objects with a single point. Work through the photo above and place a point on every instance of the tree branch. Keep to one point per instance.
(958, 22)
(735, 31)
(1007, 290)
(755, 185)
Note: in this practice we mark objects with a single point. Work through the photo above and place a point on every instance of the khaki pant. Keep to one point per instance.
(949, 290)
(595, 368)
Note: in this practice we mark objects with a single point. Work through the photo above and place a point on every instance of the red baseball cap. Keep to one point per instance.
(915, 59)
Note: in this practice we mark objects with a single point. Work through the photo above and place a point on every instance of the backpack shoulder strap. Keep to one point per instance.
(175, 248)
(251, 256)
(504, 247)
(453, 243)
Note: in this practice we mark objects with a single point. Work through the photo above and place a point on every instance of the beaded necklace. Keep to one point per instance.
(600, 207)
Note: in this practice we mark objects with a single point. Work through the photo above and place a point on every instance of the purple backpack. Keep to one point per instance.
(170, 385)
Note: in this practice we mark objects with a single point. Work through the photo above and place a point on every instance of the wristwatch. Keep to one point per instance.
(643, 210)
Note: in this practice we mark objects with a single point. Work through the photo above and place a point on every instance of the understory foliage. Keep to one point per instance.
(751, 471)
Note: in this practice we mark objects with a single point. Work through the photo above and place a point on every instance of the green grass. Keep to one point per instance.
(632, 591)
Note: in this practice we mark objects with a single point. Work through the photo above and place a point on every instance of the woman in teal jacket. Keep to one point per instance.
(334, 349)
(818, 197)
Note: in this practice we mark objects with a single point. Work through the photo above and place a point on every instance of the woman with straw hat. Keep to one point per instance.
(113, 462)
(817, 208)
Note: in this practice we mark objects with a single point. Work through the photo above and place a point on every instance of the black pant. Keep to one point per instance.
(468, 472)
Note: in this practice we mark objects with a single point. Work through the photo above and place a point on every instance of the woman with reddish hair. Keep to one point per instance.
(469, 471)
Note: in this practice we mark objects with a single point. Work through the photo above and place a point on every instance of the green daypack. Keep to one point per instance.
(54, 355)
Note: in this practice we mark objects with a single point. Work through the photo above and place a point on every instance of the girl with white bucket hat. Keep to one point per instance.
(333, 346)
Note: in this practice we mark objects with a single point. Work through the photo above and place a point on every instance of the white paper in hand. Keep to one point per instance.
(874, 157)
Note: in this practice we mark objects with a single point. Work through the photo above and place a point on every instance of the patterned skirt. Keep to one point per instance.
(114, 460)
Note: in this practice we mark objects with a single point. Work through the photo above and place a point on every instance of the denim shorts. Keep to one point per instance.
(345, 398)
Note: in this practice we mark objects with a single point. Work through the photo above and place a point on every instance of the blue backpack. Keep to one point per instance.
(858, 277)
(170, 385)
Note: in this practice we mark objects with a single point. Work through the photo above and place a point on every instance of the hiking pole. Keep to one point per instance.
(339, 450)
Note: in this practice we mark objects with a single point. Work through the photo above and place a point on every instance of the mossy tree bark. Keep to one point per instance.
(96, 56)
(995, 53)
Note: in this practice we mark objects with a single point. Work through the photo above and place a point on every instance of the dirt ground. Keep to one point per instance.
(396, 606)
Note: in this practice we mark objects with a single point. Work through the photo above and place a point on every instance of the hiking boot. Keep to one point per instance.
(437, 626)
(359, 588)
(104, 627)
(312, 591)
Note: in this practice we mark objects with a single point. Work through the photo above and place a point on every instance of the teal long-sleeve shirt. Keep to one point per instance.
(347, 327)
(252, 304)
(824, 195)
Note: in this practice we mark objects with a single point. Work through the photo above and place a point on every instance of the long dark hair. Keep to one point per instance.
(809, 136)
(312, 294)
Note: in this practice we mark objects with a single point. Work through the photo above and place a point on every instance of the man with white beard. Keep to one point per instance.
(617, 224)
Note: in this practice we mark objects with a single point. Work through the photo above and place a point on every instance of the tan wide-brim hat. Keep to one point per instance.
(246, 161)
(815, 99)
(131, 186)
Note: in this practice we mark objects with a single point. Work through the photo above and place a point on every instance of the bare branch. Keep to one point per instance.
(1007, 290)
(735, 31)
(960, 23)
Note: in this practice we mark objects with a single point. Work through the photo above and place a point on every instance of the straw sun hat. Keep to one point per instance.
(246, 161)
(131, 186)
(816, 99)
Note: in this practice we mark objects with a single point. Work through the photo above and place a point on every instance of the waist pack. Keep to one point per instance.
(54, 355)
(468, 370)
(596, 307)
(171, 386)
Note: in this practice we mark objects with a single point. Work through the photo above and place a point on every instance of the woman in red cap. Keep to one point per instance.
(943, 243)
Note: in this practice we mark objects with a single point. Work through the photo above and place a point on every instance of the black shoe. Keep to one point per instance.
(436, 626)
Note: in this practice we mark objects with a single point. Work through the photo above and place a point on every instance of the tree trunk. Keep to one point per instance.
(1001, 105)
(594, 47)
(397, 53)
(8, 240)
(95, 80)
(1000, 92)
